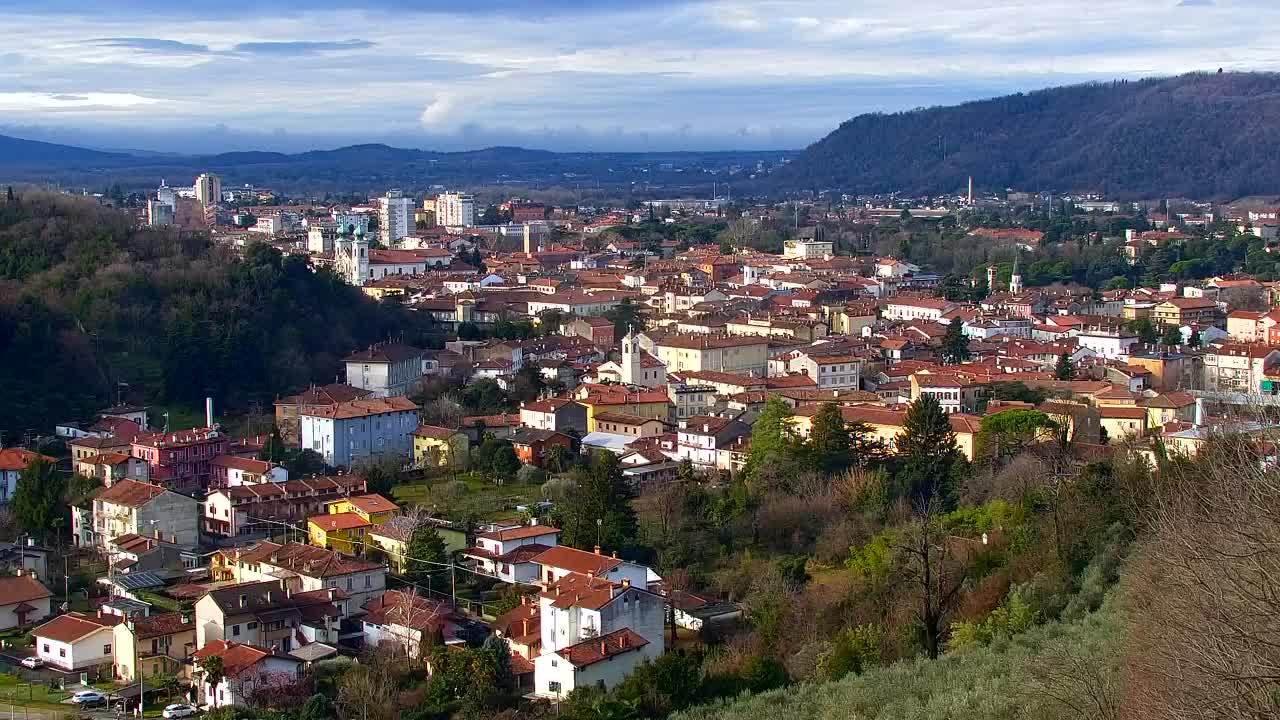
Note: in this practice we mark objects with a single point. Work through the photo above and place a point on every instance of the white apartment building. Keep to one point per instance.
(353, 432)
(931, 309)
(701, 439)
(455, 210)
(1110, 345)
(1237, 368)
(208, 189)
(395, 216)
(830, 371)
(386, 369)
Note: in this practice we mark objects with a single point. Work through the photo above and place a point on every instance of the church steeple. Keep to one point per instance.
(1015, 280)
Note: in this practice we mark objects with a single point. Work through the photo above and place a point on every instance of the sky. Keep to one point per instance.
(293, 75)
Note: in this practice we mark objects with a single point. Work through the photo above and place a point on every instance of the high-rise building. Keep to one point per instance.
(208, 189)
(395, 216)
(455, 210)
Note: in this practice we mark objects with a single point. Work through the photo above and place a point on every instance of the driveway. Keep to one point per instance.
(11, 662)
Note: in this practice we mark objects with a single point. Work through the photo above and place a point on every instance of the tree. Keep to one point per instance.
(558, 459)
(39, 497)
(955, 345)
(304, 463)
(853, 650)
(505, 462)
(1145, 330)
(625, 317)
(929, 455)
(932, 567)
(273, 450)
(425, 554)
(212, 670)
(600, 511)
(773, 442)
(828, 445)
(1171, 336)
(382, 476)
(317, 707)
(1194, 339)
(1009, 432)
(1064, 369)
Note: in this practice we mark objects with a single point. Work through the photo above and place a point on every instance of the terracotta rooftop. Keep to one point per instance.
(129, 493)
(578, 561)
(596, 649)
(520, 533)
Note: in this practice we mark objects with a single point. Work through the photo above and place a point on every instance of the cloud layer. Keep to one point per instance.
(284, 74)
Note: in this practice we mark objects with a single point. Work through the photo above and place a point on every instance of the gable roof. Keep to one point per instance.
(130, 493)
(73, 626)
(16, 589)
(19, 458)
(601, 648)
(575, 560)
(236, 657)
(307, 560)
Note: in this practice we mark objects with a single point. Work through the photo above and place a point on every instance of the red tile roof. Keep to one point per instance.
(129, 493)
(604, 647)
(574, 560)
(21, 588)
(338, 521)
(520, 533)
(19, 458)
(73, 626)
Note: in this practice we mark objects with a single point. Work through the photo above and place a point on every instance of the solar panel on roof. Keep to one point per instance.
(138, 581)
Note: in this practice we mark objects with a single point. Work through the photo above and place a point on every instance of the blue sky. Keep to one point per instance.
(622, 75)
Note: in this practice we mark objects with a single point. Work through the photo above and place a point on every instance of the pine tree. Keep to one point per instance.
(1172, 336)
(772, 439)
(930, 456)
(1064, 370)
(426, 547)
(273, 450)
(955, 346)
(38, 497)
(600, 511)
(828, 444)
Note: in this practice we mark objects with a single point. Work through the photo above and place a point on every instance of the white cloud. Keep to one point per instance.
(18, 102)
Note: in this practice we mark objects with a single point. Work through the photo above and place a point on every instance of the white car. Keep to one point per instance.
(32, 662)
(88, 697)
(177, 711)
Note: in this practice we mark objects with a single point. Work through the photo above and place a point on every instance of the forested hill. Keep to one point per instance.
(1198, 135)
(87, 301)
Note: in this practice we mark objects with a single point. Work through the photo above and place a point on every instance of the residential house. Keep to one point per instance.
(12, 462)
(108, 467)
(955, 393)
(183, 459)
(138, 508)
(652, 403)
(595, 631)
(1121, 423)
(395, 533)
(702, 439)
(303, 568)
(261, 508)
(162, 645)
(1185, 311)
(558, 414)
(623, 424)
(388, 369)
(532, 446)
(289, 409)
(691, 399)
(561, 560)
(404, 620)
(76, 641)
(694, 612)
(723, 353)
(233, 471)
(270, 614)
(886, 424)
(347, 522)
(246, 670)
(907, 308)
(508, 554)
(361, 430)
(440, 447)
(1231, 367)
(23, 600)
(841, 370)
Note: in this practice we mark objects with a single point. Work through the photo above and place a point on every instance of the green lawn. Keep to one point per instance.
(181, 417)
(30, 694)
(470, 495)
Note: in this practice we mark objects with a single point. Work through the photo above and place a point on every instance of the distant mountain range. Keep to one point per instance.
(1198, 135)
(373, 168)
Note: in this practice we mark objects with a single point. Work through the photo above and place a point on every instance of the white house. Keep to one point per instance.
(404, 620)
(386, 369)
(509, 554)
(563, 560)
(931, 309)
(233, 471)
(23, 600)
(351, 432)
(829, 371)
(594, 632)
(76, 641)
(246, 669)
(1110, 345)
(700, 438)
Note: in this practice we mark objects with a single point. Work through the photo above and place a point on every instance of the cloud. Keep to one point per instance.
(150, 45)
(301, 47)
(1196, 3)
(11, 101)
(441, 112)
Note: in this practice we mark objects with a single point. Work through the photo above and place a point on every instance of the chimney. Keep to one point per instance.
(604, 648)
(333, 594)
(99, 612)
(244, 599)
(185, 619)
(156, 532)
(622, 640)
(626, 582)
(524, 627)
(598, 550)
(615, 554)
(208, 412)
(591, 574)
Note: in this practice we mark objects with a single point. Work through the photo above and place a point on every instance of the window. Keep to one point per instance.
(553, 686)
(368, 581)
(106, 649)
(251, 626)
(235, 631)
(62, 652)
(554, 664)
(46, 648)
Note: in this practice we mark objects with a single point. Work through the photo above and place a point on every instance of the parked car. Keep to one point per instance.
(177, 711)
(32, 662)
(88, 697)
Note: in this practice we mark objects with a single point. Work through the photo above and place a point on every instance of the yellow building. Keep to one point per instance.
(616, 399)
(722, 353)
(394, 535)
(886, 425)
(345, 528)
(435, 446)
(164, 644)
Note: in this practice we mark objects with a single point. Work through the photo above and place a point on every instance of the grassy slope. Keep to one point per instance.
(987, 683)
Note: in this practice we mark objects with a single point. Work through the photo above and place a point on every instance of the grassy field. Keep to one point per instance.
(37, 695)
(470, 496)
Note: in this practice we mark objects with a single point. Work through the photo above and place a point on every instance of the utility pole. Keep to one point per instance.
(453, 583)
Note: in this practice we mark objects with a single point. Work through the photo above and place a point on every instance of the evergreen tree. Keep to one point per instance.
(929, 456)
(772, 440)
(1146, 332)
(1064, 370)
(828, 445)
(955, 345)
(600, 510)
(38, 498)
(505, 462)
(1172, 336)
(273, 450)
(1194, 340)
(425, 548)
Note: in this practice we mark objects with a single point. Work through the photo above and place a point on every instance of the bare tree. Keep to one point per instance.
(935, 566)
(1205, 592)
(365, 690)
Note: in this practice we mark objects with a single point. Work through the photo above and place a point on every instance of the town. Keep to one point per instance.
(618, 438)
